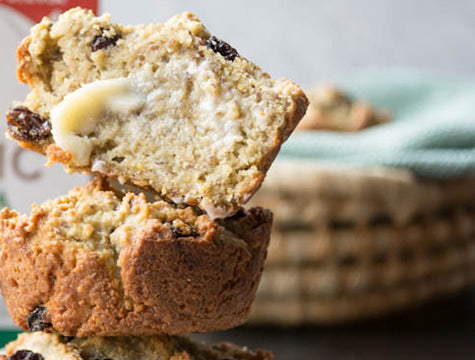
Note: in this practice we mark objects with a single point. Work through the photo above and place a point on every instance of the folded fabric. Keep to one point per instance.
(432, 134)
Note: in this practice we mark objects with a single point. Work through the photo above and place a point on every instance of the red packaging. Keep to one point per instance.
(23, 178)
(36, 9)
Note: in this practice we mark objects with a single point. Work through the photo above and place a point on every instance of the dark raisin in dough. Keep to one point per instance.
(179, 232)
(37, 320)
(102, 42)
(25, 125)
(25, 355)
(222, 48)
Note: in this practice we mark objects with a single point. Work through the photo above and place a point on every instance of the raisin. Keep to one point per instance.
(25, 355)
(102, 42)
(222, 48)
(37, 320)
(179, 232)
(118, 159)
(25, 125)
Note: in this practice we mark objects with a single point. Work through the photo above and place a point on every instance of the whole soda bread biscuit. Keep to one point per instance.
(332, 109)
(165, 106)
(101, 262)
(43, 346)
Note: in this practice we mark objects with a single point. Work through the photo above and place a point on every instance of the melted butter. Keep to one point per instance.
(80, 111)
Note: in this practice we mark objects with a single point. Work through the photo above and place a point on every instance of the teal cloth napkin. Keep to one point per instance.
(432, 132)
(6, 336)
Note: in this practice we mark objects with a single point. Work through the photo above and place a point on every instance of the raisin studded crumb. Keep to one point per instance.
(232, 117)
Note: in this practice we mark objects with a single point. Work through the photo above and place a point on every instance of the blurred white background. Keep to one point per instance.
(310, 41)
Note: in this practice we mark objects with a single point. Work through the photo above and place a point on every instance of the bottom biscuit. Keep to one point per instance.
(100, 262)
(43, 346)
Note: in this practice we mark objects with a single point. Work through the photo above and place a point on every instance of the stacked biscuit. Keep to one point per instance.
(189, 128)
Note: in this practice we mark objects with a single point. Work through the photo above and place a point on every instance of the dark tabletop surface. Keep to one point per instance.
(439, 330)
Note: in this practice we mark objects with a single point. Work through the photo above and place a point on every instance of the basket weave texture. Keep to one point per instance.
(352, 243)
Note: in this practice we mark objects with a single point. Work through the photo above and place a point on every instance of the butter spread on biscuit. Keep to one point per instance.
(79, 112)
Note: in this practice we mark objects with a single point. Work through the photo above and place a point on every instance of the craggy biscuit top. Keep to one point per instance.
(105, 262)
(188, 116)
(103, 219)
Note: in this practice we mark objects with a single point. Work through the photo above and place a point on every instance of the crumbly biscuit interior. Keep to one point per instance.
(207, 124)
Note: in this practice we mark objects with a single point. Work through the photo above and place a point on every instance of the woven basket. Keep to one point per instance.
(351, 243)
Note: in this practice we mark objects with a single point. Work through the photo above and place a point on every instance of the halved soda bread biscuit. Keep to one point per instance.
(43, 346)
(165, 106)
(101, 262)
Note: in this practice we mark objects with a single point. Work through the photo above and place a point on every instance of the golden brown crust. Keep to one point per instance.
(155, 283)
(55, 154)
(299, 107)
(23, 56)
